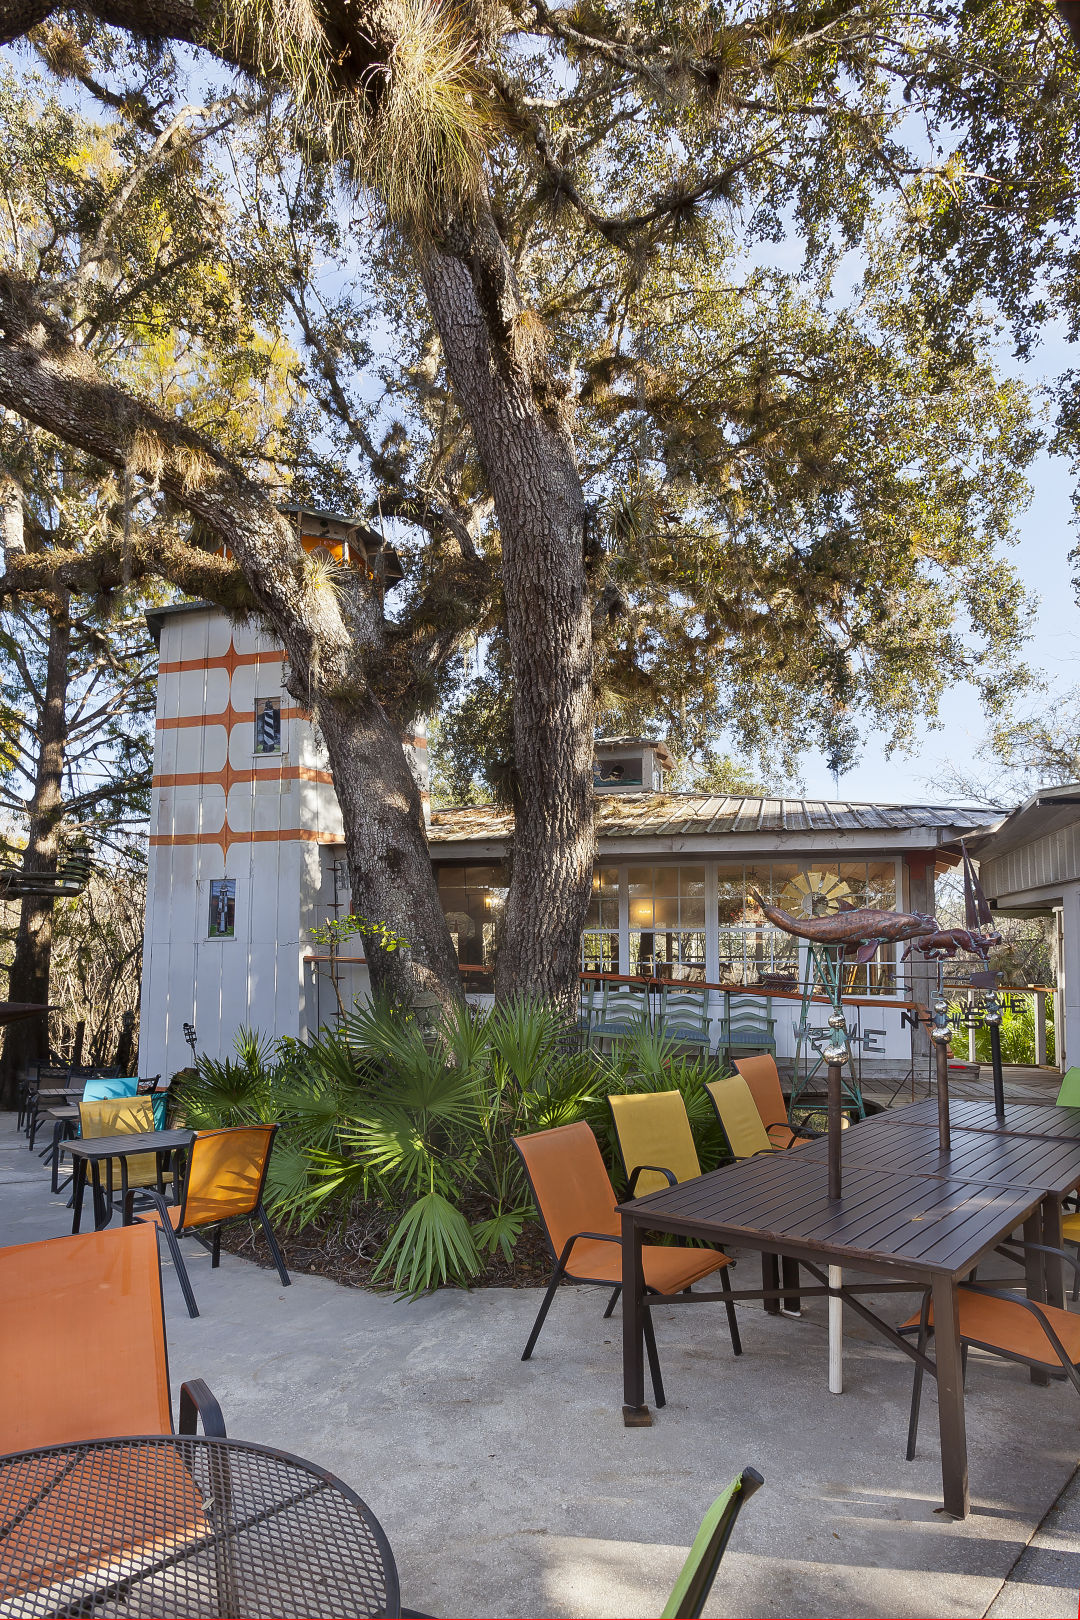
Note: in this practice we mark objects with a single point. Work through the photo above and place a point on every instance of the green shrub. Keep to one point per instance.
(423, 1122)
(1017, 1034)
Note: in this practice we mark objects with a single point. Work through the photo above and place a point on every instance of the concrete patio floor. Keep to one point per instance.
(511, 1489)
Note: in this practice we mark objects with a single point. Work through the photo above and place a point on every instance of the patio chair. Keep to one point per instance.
(746, 1026)
(763, 1079)
(1007, 1324)
(576, 1204)
(83, 1357)
(739, 1118)
(82, 1348)
(695, 1580)
(624, 1009)
(224, 1181)
(1069, 1092)
(122, 1116)
(684, 1017)
(43, 1094)
(655, 1139)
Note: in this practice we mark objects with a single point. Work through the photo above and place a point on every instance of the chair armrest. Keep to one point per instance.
(1039, 1248)
(197, 1402)
(672, 1181)
(147, 1192)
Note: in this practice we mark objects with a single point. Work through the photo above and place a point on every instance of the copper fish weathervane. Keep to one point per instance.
(869, 928)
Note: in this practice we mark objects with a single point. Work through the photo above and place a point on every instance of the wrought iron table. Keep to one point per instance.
(183, 1526)
(97, 1150)
(930, 1231)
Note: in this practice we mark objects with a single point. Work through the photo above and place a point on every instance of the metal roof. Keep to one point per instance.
(665, 815)
(1047, 811)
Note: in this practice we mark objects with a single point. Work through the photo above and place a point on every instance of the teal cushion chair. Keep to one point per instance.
(103, 1087)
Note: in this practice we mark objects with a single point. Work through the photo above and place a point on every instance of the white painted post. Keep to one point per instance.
(1040, 1027)
(971, 1028)
(836, 1333)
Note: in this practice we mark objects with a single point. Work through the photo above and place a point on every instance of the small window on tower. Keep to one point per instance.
(268, 726)
(222, 921)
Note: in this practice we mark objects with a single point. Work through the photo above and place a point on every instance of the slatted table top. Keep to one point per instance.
(1046, 1163)
(918, 1224)
(975, 1114)
(119, 1147)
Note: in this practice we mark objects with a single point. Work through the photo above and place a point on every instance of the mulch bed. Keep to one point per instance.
(347, 1250)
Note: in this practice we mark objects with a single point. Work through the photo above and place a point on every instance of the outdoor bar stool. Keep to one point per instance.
(1007, 1324)
(576, 1203)
(223, 1181)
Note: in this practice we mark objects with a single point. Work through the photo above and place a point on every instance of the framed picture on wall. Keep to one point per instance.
(221, 923)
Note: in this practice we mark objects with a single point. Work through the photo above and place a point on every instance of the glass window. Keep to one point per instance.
(667, 921)
(472, 899)
(600, 941)
(752, 951)
(222, 920)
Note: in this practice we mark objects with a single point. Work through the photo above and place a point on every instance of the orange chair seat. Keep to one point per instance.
(154, 1217)
(1001, 1325)
(666, 1270)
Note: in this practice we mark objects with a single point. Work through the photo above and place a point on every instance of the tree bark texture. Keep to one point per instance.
(28, 977)
(330, 634)
(529, 463)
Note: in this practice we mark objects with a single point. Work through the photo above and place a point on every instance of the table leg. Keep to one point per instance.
(770, 1278)
(635, 1413)
(1035, 1277)
(101, 1217)
(1052, 1269)
(950, 1383)
(78, 1187)
(836, 1333)
(792, 1306)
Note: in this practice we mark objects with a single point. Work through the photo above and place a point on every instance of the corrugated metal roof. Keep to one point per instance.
(681, 815)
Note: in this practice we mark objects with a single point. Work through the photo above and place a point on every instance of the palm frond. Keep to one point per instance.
(431, 1245)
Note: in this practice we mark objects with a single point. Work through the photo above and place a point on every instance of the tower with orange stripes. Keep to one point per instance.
(246, 847)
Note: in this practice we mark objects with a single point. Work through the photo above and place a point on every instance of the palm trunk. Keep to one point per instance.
(529, 463)
(28, 977)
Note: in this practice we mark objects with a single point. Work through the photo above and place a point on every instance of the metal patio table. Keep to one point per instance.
(917, 1231)
(180, 1525)
(975, 1114)
(1048, 1164)
(97, 1150)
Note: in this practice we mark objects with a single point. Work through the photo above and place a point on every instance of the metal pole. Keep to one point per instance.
(939, 1034)
(993, 1023)
(836, 1130)
(834, 1055)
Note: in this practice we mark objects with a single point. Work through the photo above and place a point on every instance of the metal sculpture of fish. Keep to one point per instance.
(947, 942)
(867, 928)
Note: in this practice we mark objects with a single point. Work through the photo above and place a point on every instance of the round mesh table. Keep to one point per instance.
(186, 1526)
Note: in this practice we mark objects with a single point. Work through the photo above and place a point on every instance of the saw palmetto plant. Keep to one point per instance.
(424, 1124)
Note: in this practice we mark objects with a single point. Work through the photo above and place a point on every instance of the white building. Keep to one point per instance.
(246, 856)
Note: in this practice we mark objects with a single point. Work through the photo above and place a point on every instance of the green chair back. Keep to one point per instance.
(684, 1016)
(696, 1577)
(748, 1024)
(623, 1010)
(1069, 1094)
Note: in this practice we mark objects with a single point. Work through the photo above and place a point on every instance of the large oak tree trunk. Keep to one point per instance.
(28, 977)
(528, 458)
